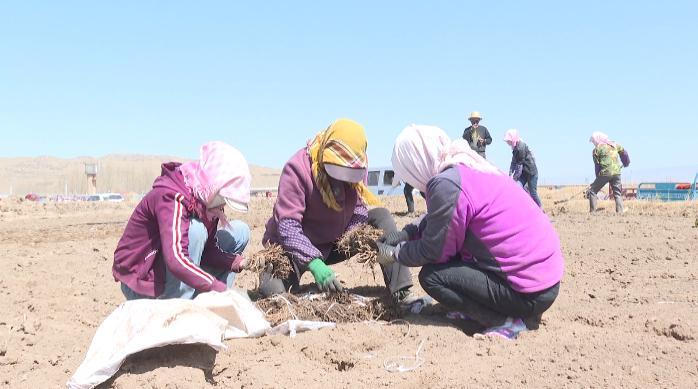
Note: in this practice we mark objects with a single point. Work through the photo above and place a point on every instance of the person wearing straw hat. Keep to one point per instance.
(173, 246)
(477, 136)
(322, 195)
(484, 247)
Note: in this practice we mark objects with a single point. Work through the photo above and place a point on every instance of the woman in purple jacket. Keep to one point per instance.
(172, 247)
(485, 248)
(321, 196)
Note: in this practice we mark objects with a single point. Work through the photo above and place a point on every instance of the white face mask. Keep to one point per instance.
(216, 202)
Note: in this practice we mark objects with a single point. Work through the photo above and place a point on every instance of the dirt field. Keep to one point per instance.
(627, 315)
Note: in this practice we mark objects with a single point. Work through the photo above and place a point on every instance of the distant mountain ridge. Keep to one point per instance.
(123, 173)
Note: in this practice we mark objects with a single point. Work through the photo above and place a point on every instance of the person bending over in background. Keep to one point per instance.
(485, 248)
(523, 167)
(322, 195)
(607, 168)
(172, 247)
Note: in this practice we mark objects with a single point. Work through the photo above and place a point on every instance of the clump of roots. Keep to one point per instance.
(272, 259)
(336, 307)
(360, 244)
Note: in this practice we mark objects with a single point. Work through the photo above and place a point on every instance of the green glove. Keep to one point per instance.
(324, 276)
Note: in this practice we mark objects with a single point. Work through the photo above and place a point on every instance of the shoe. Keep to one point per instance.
(411, 302)
(533, 322)
(509, 330)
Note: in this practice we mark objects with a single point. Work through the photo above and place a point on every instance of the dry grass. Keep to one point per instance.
(117, 173)
(272, 259)
(338, 308)
(578, 204)
(360, 243)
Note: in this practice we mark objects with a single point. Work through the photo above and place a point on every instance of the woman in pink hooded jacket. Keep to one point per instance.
(172, 246)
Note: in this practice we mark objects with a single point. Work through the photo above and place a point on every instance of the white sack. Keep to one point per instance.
(138, 325)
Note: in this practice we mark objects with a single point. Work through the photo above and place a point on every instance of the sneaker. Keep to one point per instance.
(509, 330)
(411, 302)
(401, 294)
(457, 315)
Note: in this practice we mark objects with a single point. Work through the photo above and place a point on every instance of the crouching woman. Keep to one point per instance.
(485, 248)
(172, 246)
(322, 195)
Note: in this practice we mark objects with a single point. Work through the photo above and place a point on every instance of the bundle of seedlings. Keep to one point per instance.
(360, 243)
(337, 307)
(272, 259)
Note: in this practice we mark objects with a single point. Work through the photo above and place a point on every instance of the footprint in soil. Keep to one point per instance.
(673, 330)
(341, 360)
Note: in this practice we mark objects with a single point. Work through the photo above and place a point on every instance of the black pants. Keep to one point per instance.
(409, 199)
(482, 295)
(395, 276)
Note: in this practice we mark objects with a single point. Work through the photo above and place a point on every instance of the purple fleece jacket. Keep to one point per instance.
(302, 224)
(157, 237)
(487, 220)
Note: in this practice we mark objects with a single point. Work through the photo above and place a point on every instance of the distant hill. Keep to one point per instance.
(117, 173)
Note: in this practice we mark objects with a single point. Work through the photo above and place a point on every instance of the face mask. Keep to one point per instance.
(216, 202)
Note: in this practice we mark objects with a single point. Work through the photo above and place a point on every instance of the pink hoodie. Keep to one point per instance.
(157, 237)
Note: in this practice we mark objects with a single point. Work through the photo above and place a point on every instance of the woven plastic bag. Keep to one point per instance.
(138, 325)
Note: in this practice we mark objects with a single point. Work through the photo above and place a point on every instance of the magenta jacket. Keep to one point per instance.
(302, 224)
(157, 238)
(489, 221)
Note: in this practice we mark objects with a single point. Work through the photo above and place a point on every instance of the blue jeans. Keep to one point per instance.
(231, 239)
(531, 182)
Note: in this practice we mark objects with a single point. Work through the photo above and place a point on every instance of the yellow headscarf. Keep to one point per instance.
(343, 143)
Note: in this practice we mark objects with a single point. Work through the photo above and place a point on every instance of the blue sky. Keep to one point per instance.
(154, 77)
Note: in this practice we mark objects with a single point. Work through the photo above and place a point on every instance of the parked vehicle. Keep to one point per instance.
(382, 181)
(112, 197)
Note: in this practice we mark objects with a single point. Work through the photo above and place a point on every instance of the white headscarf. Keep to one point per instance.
(599, 138)
(421, 152)
(512, 137)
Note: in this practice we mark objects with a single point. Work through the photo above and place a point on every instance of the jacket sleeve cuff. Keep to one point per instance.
(218, 286)
(236, 263)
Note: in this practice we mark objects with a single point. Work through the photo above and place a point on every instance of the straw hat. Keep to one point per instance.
(475, 115)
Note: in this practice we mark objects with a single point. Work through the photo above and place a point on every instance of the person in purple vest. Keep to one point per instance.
(485, 248)
(322, 195)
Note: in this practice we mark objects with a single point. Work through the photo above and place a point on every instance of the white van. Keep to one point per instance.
(382, 182)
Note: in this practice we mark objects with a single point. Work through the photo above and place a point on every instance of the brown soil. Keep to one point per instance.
(627, 314)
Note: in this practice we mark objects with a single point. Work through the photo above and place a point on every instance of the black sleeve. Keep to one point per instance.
(518, 155)
(433, 246)
(488, 138)
(466, 135)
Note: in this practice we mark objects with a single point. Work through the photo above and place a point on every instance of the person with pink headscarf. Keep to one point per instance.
(607, 165)
(486, 250)
(523, 167)
(172, 246)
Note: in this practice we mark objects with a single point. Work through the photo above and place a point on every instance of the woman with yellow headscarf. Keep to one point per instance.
(322, 194)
